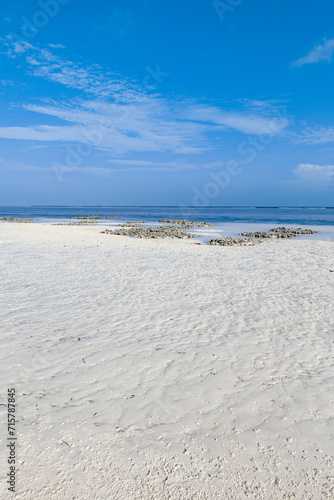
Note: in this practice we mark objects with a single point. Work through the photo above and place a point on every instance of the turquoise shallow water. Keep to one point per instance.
(230, 221)
(262, 215)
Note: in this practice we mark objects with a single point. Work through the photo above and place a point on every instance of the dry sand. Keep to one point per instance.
(150, 369)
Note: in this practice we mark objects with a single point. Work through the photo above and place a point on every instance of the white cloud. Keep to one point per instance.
(316, 135)
(15, 47)
(322, 52)
(117, 128)
(124, 116)
(314, 174)
(56, 46)
(246, 123)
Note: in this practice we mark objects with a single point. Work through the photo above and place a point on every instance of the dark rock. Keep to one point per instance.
(187, 224)
(88, 217)
(11, 219)
(294, 230)
(265, 234)
(131, 223)
(228, 241)
(81, 223)
(150, 232)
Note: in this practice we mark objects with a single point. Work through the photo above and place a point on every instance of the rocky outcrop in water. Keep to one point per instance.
(265, 234)
(175, 221)
(11, 219)
(228, 242)
(131, 223)
(293, 230)
(88, 217)
(187, 224)
(278, 232)
(80, 223)
(150, 232)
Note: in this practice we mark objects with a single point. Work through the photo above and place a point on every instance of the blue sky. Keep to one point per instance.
(200, 103)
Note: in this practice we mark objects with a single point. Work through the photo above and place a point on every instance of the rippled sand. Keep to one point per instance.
(149, 369)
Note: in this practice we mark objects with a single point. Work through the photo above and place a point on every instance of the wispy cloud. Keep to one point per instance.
(315, 135)
(15, 48)
(175, 165)
(43, 63)
(315, 175)
(7, 83)
(124, 116)
(117, 128)
(141, 165)
(119, 116)
(6, 165)
(56, 46)
(321, 52)
(246, 123)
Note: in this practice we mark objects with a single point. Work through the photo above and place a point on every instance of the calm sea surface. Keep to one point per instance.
(230, 220)
(275, 215)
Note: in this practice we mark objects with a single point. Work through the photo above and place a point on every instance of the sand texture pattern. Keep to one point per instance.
(162, 369)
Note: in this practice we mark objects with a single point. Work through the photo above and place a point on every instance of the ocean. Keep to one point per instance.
(230, 220)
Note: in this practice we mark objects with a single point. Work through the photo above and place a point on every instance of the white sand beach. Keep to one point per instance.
(165, 369)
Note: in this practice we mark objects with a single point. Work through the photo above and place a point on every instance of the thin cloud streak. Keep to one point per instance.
(252, 124)
(22, 167)
(313, 136)
(139, 165)
(321, 52)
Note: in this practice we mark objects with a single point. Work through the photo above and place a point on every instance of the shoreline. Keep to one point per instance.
(203, 235)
